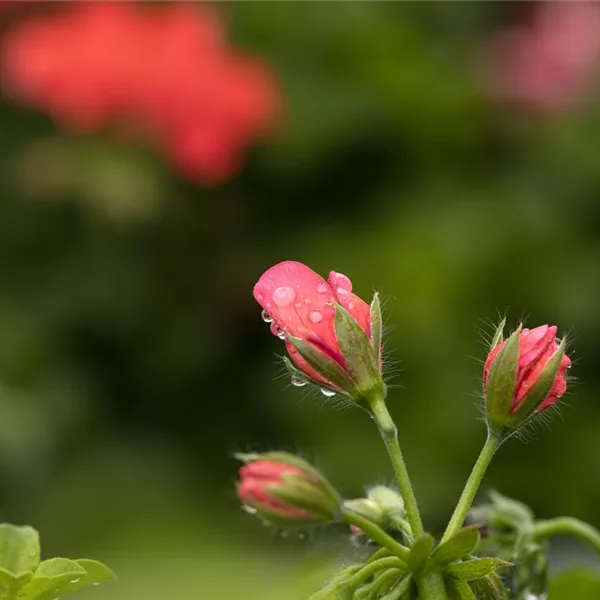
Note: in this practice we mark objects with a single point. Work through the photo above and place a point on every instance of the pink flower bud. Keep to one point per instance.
(302, 308)
(534, 369)
(285, 488)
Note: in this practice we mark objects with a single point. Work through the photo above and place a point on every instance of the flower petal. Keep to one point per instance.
(357, 307)
(300, 302)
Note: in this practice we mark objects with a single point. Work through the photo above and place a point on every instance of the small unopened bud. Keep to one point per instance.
(383, 506)
(523, 375)
(282, 487)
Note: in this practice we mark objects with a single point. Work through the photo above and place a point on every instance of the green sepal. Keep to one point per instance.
(376, 328)
(489, 588)
(399, 590)
(476, 568)
(460, 545)
(358, 355)
(499, 334)
(501, 383)
(296, 373)
(420, 553)
(19, 549)
(316, 499)
(540, 389)
(459, 590)
(325, 366)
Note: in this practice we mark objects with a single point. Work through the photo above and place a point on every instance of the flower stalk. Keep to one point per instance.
(490, 447)
(389, 434)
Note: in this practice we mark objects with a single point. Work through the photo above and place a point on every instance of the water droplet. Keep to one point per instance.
(351, 306)
(322, 288)
(283, 296)
(276, 330)
(297, 382)
(315, 316)
(76, 580)
(266, 317)
(327, 392)
(249, 509)
(96, 583)
(342, 291)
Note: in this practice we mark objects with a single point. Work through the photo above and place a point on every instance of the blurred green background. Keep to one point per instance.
(133, 360)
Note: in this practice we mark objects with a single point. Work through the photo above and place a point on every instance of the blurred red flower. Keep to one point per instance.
(161, 73)
(547, 62)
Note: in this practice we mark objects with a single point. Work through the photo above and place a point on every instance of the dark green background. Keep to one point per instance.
(133, 360)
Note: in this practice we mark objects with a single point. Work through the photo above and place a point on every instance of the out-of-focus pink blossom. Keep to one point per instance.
(165, 74)
(548, 62)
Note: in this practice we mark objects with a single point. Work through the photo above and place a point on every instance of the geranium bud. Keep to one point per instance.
(383, 506)
(523, 375)
(284, 488)
(332, 336)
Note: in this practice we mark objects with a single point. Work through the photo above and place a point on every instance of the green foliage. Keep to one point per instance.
(460, 545)
(24, 577)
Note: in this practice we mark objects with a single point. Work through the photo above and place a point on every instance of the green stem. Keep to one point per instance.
(568, 526)
(468, 495)
(376, 533)
(391, 562)
(432, 587)
(389, 433)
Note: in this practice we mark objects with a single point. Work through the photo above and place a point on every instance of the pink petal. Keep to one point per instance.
(357, 307)
(301, 303)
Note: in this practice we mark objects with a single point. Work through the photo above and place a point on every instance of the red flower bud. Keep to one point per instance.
(306, 311)
(285, 488)
(529, 373)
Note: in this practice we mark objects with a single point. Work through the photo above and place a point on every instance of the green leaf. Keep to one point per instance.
(376, 328)
(398, 590)
(580, 584)
(324, 365)
(10, 584)
(419, 553)
(19, 549)
(476, 568)
(501, 382)
(459, 590)
(58, 576)
(541, 388)
(458, 546)
(358, 353)
(499, 334)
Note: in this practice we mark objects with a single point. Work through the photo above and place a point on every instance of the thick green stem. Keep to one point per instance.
(568, 526)
(376, 533)
(432, 587)
(468, 495)
(389, 433)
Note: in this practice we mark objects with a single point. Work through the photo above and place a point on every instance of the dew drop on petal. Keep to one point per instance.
(352, 305)
(342, 291)
(297, 382)
(275, 329)
(327, 392)
(266, 317)
(322, 288)
(281, 335)
(315, 316)
(283, 296)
